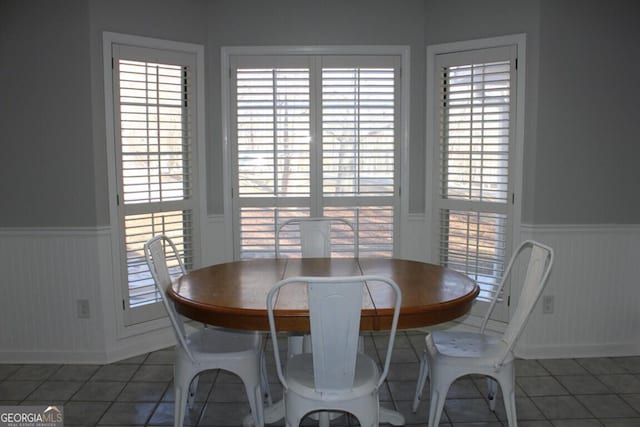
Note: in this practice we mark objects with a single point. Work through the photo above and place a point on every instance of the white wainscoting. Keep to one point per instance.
(595, 283)
(43, 273)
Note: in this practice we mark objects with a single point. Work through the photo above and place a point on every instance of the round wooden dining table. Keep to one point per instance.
(233, 295)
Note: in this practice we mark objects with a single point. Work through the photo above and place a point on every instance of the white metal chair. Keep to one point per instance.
(315, 235)
(208, 348)
(335, 376)
(451, 355)
(315, 242)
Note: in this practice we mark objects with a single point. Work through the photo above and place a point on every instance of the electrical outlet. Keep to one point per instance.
(547, 304)
(83, 309)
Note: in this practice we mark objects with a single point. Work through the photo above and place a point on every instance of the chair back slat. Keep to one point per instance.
(335, 305)
(534, 282)
(315, 234)
(334, 310)
(156, 251)
(315, 239)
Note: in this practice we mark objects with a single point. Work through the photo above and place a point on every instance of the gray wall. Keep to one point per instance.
(582, 113)
(589, 113)
(46, 173)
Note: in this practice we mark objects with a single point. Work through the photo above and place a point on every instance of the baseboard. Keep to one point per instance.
(577, 351)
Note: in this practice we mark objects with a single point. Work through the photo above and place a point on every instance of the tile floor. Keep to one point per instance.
(138, 392)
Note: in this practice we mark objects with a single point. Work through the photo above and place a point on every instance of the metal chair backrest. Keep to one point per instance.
(534, 281)
(156, 251)
(335, 305)
(315, 235)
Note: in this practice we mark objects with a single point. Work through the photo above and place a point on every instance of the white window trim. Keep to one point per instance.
(432, 129)
(402, 51)
(199, 189)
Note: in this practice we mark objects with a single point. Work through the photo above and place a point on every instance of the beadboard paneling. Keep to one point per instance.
(44, 273)
(595, 283)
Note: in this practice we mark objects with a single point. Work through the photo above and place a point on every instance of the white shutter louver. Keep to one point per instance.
(358, 132)
(156, 167)
(312, 139)
(358, 152)
(273, 128)
(475, 102)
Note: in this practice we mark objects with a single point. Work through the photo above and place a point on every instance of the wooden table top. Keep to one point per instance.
(233, 294)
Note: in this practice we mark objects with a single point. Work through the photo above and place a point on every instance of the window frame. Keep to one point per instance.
(149, 319)
(403, 130)
(516, 157)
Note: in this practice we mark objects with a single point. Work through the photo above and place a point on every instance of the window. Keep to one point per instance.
(314, 136)
(474, 95)
(154, 142)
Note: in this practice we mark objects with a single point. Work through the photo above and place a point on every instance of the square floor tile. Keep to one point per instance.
(99, 391)
(525, 410)
(114, 373)
(33, 372)
(469, 410)
(143, 392)
(621, 422)
(463, 387)
(633, 400)
(577, 423)
(607, 406)
(152, 373)
(75, 372)
(224, 414)
(55, 391)
(231, 392)
(621, 383)
(563, 367)
(534, 423)
(84, 413)
(631, 364)
(561, 407)
(161, 357)
(541, 386)
(404, 390)
(583, 384)
(403, 372)
(135, 360)
(127, 413)
(8, 370)
(404, 355)
(529, 368)
(601, 365)
(17, 390)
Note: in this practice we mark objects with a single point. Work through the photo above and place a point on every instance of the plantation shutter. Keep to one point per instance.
(314, 136)
(359, 140)
(154, 111)
(272, 145)
(476, 99)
